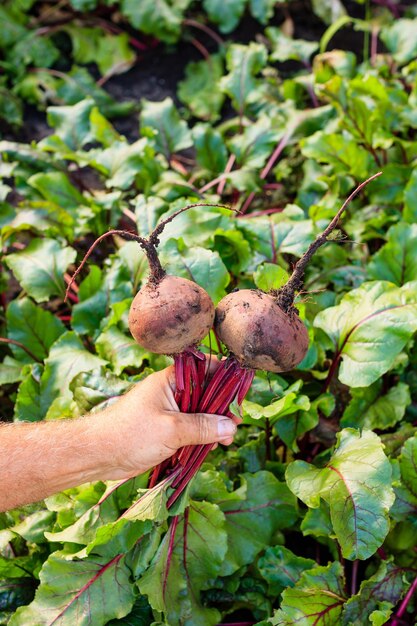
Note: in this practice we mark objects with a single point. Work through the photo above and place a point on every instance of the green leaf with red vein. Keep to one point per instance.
(189, 558)
(40, 268)
(76, 591)
(282, 568)
(262, 502)
(382, 590)
(396, 261)
(317, 599)
(406, 488)
(34, 327)
(370, 327)
(356, 484)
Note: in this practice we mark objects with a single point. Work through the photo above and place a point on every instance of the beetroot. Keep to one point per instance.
(263, 331)
(267, 338)
(170, 315)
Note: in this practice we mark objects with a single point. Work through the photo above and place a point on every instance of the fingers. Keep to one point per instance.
(226, 442)
(212, 364)
(201, 428)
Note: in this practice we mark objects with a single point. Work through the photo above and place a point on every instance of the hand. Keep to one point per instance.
(139, 431)
(145, 426)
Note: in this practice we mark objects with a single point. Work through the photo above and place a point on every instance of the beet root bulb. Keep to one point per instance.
(171, 315)
(259, 333)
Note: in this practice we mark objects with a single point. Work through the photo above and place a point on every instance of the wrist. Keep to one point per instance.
(39, 459)
(110, 447)
(80, 454)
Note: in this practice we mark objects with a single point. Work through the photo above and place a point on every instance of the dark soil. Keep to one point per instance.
(157, 72)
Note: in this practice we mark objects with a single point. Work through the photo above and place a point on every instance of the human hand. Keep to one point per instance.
(145, 427)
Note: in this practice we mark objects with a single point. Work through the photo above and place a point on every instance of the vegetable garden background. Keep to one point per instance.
(116, 113)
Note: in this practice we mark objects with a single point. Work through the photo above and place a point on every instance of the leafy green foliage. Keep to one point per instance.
(198, 89)
(55, 601)
(406, 486)
(243, 64)
(40, 268)
(378, 309)
(285, 48)
(281, 568)
(164, 23)
(354, 483)
(380, 591)
(396, 260)
(226, 15)
(173, 586)
(371, 408)
(400, 40)
(31, 325)
(67, 358)
(171, 133)
(271, 508)
(285, 145)
(317, 598)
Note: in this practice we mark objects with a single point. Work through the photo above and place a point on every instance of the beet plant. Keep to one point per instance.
(309, 516)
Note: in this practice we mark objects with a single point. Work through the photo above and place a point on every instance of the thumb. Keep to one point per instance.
(199, 428)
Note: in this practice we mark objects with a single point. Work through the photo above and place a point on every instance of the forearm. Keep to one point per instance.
(39, 459)
(136, 433)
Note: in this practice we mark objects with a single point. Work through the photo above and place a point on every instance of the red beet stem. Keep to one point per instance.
(231, 384)
(190, 367)
(201, 371)
(186, 394)
(226, 395)
(179, 372)
(172, 530)
(196, 386)
(185, 455)
(245, 386)
(186, 474)
(223, 373)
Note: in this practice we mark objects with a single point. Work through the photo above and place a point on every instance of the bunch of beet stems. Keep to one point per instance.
(229, 384)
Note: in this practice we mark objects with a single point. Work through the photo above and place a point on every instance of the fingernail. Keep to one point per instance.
(226, 428)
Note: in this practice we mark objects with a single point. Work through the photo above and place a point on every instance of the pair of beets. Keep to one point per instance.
(171, 314)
